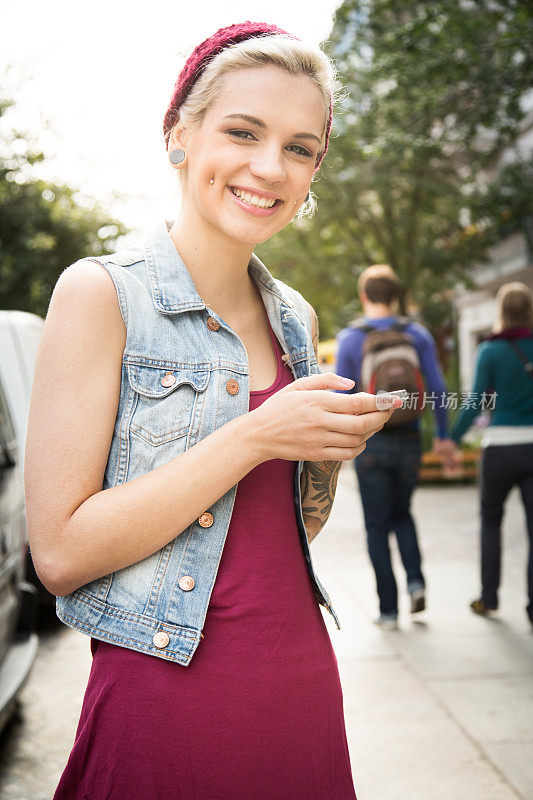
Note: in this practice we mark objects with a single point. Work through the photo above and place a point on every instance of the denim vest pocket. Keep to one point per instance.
(166, 400)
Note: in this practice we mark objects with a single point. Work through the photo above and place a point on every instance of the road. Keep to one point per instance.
(441, 709)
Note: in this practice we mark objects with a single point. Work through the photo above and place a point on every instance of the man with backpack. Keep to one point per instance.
(384, 352)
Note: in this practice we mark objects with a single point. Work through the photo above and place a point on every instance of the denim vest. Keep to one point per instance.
(184, 374)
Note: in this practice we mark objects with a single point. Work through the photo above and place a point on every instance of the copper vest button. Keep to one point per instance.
(168, 380)
(212, 324)
(186, 583)
(206, 520)
(232, 386)
(161, 639)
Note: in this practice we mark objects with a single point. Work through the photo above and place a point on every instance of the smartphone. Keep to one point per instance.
(403, 394)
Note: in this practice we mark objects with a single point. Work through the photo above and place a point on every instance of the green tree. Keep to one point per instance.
(43, 227)
(433, 97)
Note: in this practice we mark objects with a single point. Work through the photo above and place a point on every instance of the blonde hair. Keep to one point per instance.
(515, 307)
(380, 284)
(292, 55)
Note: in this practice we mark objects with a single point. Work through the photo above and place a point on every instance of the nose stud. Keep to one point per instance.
(268, 184)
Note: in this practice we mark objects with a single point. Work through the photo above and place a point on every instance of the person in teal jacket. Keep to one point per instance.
(504, 367)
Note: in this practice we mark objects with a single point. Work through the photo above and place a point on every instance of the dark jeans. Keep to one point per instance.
(502, 467)
(387, 471)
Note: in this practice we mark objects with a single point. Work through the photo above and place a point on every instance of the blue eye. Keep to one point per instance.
(300, 151)
(297, 149)
(239, 134)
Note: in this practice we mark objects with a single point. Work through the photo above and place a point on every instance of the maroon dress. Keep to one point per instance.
(258, 713)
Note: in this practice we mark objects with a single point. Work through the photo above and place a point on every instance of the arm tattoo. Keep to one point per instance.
(318, 481)
(318, 484)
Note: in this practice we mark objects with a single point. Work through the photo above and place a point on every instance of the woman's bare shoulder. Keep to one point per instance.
(85, 300)
(84, 278)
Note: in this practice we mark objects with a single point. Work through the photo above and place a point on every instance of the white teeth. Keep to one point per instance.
(253, 199)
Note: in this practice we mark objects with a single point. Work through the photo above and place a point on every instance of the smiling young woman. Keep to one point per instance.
(172, 495)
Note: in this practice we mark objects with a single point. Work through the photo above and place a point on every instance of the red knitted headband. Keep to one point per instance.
(205, 52)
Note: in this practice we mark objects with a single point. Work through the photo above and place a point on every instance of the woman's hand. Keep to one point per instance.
(306, 422)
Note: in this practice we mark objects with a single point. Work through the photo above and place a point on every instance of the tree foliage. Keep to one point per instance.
(43, 227)
(432, 98)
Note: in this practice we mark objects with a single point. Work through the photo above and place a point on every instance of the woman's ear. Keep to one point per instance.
(175, 138)
(177, 152)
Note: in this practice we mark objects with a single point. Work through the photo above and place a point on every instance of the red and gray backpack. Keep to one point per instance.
(390, 362)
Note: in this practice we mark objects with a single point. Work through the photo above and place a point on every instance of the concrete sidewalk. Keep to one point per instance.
(442, 708)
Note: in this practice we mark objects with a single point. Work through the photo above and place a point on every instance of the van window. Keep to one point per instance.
(7, 431)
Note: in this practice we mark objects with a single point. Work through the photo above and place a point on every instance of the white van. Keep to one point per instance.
(19, 338)
(20, 333)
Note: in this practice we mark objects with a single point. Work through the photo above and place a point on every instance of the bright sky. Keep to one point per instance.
(92, 82)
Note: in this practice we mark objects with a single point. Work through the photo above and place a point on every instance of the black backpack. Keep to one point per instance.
(390, 362)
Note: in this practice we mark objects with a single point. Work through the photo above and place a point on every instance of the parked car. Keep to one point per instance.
(18, 598)
(20, 333)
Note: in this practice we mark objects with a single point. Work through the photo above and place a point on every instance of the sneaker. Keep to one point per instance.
(418, 601)
(388, 622)
(479, 607)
